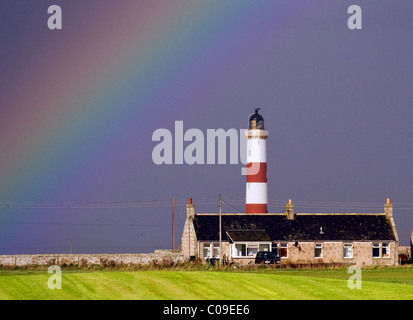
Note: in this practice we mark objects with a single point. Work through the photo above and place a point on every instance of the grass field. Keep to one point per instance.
(391, 283)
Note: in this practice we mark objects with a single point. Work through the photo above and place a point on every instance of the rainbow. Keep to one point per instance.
(73, 103)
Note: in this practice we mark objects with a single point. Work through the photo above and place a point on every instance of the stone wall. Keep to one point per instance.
(158, 257)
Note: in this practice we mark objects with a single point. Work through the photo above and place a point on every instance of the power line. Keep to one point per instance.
(85, 224)
(95, 205)
(137, 204)
(232, 206)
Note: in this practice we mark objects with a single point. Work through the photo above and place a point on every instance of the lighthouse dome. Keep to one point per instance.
(256, 121)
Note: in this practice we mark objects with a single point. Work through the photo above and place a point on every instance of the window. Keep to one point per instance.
(274, 248)
(216, 250)
(376, 250)
(240, 250)
(252, 250)
(348, 250)
(207, 250)
(249, 249)
(385, 250)
(318, 250)
(284, 250)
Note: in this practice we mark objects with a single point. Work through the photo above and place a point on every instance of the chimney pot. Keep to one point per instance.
(289, 210)
(388, 209)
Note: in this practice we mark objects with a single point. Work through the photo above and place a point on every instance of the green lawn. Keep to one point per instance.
(389, 283)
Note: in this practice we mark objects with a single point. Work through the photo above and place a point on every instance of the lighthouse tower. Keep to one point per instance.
(256, 189)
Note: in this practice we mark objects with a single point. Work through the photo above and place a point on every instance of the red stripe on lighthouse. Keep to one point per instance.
(256, 172)
(256, 208)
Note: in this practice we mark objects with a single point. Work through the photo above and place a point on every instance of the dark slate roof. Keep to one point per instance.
(248, 235)
(305, 227)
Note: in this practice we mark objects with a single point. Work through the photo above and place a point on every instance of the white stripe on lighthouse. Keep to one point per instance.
(257, 150)
(256, 193)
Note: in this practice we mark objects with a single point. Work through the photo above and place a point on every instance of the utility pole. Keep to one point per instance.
(173, 224)
(220, 231)
(71, 245)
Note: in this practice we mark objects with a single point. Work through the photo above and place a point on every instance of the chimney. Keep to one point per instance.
(289, 210)
(388, 209)
(188, 240)
(190, 209)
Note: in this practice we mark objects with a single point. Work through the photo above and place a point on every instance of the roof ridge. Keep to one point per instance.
(297, 213)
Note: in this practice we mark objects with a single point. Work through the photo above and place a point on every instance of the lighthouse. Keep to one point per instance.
(256, 198)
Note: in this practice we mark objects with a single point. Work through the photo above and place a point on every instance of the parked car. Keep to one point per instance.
(266, 257)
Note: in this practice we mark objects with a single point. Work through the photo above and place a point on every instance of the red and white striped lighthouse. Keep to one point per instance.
(256, 189)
